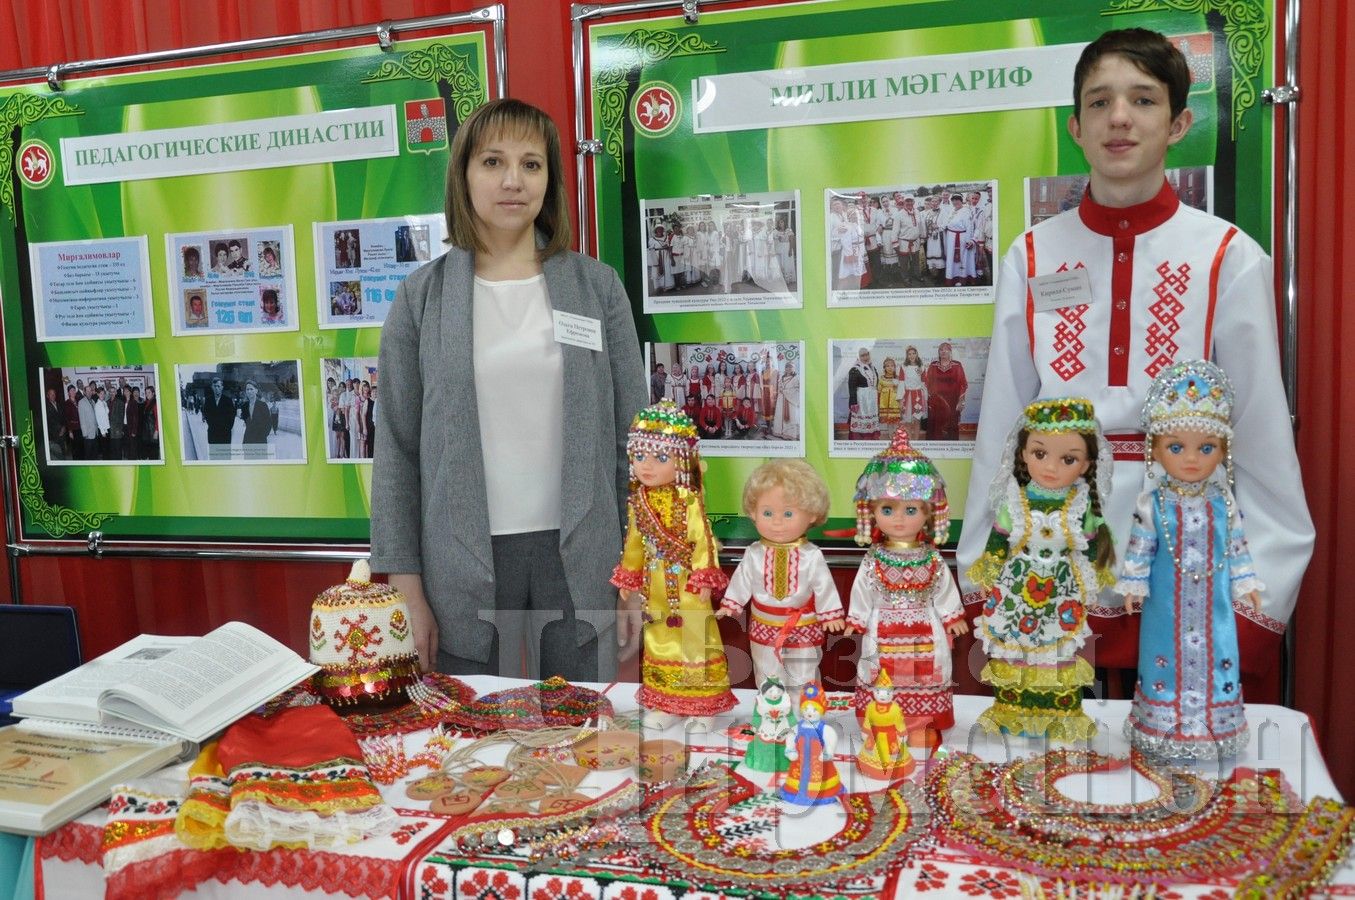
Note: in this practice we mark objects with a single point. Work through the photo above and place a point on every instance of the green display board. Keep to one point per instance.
(245, 222)
(780, 111)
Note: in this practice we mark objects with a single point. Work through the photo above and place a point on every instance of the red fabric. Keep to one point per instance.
(294, 739)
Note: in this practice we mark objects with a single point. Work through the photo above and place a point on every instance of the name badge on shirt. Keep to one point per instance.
(1061, 289)
(579, 331)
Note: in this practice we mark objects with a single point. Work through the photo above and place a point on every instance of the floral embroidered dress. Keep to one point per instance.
(1187, 555)
(811, 780)
(903, 600)
(773, 724)
(670, 556)
(1039, 574)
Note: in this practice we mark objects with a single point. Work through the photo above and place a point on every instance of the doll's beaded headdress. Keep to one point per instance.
(664, 428)
(901, 473)
(1194, 395)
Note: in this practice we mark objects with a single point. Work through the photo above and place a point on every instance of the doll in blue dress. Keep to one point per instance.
(1186, 568)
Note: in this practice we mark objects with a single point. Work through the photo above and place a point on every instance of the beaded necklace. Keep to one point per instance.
(1187, 489)
(672, 553)
(1064, 527)
(904, 569)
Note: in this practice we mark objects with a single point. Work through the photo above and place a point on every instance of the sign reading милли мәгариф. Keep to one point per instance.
(1023, 78)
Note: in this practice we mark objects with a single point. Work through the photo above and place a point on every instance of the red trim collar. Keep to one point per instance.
(1111, 221)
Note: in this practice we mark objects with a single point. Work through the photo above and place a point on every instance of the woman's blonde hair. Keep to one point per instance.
(510, 118)
(803, 486)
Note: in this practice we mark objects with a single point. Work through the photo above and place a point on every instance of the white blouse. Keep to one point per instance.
(519, 389)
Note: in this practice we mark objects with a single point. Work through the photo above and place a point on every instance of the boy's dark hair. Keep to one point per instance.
(1149, 51)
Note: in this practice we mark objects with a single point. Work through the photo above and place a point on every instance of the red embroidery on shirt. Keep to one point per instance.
(1068, 337)
(1161, 345)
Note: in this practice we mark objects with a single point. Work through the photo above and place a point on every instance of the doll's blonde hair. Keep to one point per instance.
(804, 486)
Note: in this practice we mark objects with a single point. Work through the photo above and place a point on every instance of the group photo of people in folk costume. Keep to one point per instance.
(910, 238)
(931, 387)
(737, 394)
(1048, 196)
(350, 408)
(722, 252)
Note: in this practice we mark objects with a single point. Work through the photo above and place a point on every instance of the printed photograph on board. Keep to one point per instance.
(241, 412)
(101, 415)
(350, 408)
(722, 252)
(910, 244)
(1048, 196)
(746, 399)
(360, 264)
(240, 281)
(932, 387)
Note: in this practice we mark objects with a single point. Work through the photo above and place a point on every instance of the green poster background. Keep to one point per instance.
(1232, 132)
(315, 501)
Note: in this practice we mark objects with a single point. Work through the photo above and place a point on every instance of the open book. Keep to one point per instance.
(165, 688)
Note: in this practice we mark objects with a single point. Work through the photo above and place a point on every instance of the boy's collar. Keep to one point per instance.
(1129, 220)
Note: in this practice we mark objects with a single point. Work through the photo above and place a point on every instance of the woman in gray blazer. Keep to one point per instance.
(510, 370)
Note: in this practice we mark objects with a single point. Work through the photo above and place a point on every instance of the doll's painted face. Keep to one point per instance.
(1189, 455)
(810, 712)
(1057, 460)
(778, 519)
(883, 695)
(900, 520)
(653, 468)
(773, 693)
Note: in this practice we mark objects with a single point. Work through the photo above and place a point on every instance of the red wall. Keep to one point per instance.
(119, 598)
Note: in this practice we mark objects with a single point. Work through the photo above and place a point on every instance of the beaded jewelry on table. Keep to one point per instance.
(689, 831)
(1192, 830)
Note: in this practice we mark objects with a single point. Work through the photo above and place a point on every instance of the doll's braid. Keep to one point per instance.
(1105, 546)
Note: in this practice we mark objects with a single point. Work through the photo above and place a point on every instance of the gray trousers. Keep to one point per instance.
(536, 632)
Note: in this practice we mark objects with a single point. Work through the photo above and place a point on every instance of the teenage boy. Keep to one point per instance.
(1164, 282)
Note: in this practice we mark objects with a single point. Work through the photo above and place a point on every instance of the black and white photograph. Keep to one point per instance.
(1047, 197)
(241, 412)
(932, 387)
(101, 415)
(722, 252)
(350, 398)
(746, 399)
(230, 256)
(910, 244)
(411, 243)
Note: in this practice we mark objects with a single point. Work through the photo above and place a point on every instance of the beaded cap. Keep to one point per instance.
(1192, 395)
(664, 428)
(899, 472)
(1061, 414)
(360, 637)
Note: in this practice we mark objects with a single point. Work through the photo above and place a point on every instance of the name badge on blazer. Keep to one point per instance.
(579, 331)
(1061, 289)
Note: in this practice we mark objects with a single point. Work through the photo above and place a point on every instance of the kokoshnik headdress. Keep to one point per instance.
(664, 428)
(901, 473)
(1059, 415)
(1192, 395)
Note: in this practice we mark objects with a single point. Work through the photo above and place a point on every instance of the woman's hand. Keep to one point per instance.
(629, 622)
(423, 625)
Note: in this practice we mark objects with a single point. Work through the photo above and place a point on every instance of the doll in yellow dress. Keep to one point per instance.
(884, 731)
(670, 569)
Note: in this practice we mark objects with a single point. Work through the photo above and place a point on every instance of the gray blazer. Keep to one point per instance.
(429, 508)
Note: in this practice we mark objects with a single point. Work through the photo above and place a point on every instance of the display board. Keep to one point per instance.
(746, 160)
(195, 264)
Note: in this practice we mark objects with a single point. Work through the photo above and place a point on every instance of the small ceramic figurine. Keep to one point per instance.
(812, 778)
(1048, 555)
(884, 751)
(669, 568)
(904, 599)
(1188, 557)
(773, 719)
(794, 600)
